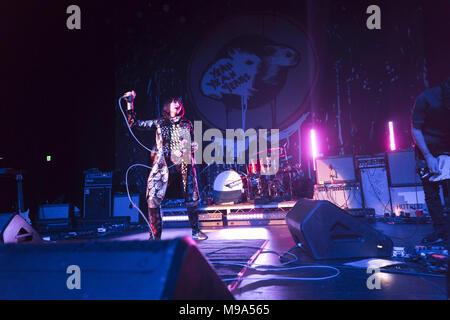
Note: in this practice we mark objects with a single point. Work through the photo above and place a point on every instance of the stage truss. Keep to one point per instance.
(231, 214)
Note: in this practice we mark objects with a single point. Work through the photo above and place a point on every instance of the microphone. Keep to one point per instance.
(129, 97)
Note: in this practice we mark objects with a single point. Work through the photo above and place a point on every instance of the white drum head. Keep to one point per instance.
(228, 180)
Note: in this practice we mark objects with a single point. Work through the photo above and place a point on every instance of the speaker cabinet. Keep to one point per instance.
(328, 232)
(14, 229)
(97, 202)
(54, 211)
(374, 183)
(122, 207)
(338, 169)
(111, 270)
(402, 168)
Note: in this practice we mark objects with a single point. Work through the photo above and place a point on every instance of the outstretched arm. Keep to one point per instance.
(131, 115)
(139, 124)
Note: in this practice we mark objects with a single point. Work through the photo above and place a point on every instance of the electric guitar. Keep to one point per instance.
(23, 214)
(444, 170)
(13, 173)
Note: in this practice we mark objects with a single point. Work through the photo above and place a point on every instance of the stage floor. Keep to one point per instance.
(350, 284)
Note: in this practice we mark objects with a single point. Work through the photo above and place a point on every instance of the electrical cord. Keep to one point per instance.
(137, 140)
(377, 192)
(272, 267)
(131, 201)
(346, 198)
(333, 197)
(292, 278)
(131, 131)
(265, 269)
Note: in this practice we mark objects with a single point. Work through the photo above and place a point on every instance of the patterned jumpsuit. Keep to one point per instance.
(170, 135)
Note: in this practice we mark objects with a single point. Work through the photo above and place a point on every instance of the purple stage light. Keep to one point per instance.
(314, 147)
(391, 136)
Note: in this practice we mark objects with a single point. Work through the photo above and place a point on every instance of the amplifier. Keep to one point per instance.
(408, 200)
(345, 195)
(402, 168)
(374, 183)
(54, 211)
(122, 207)
(95, 178)
(337, 169)
(97, 202)
(375, 161)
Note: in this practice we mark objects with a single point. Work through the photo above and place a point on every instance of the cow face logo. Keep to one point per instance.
(233, 75)
(241, 75)
(253, 67)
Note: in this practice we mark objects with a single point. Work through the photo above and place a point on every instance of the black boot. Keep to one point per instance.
(193, 221)
(154, 216)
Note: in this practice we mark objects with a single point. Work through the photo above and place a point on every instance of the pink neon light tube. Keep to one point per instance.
(314, 147)
(391, 136)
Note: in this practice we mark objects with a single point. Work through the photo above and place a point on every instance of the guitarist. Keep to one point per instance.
(431, 132)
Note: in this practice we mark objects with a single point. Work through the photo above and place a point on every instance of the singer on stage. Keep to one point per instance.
(174, 153)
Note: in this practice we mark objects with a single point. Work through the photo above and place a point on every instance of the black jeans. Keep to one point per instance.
(433, 200)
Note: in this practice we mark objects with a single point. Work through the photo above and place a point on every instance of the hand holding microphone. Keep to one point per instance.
(129, 98)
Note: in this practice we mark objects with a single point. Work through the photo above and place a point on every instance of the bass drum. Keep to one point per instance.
(228, 187)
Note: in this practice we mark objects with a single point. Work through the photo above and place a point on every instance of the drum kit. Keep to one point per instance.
(252, 183)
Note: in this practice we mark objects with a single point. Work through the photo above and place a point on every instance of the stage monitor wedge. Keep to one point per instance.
(109, 270)
(14, 229)
(328, 232)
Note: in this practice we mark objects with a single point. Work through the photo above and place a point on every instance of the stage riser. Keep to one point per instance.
(217, 224)
(256, 223)
(219, 220)
(244, 214)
